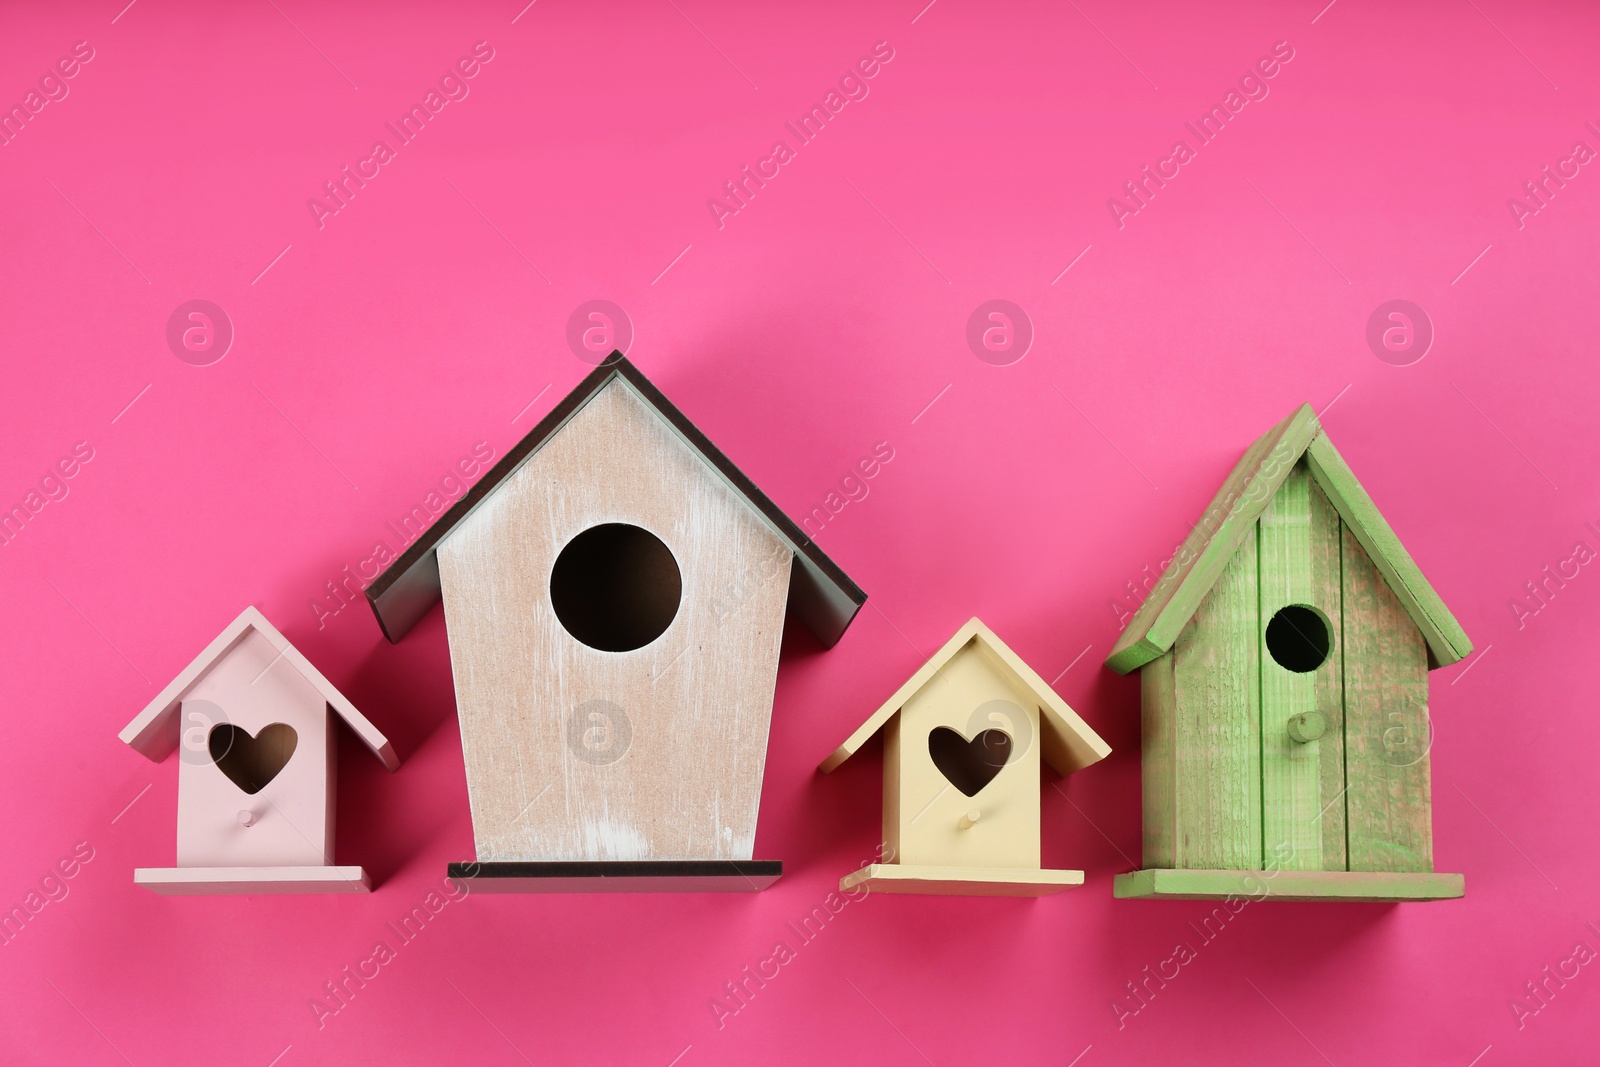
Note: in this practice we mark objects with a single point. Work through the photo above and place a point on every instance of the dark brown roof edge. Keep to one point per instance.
(821, 595)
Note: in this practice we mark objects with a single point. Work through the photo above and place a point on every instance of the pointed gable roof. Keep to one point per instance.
(821, 595)
(154, 731)
(1069, 743)
(1233, 514)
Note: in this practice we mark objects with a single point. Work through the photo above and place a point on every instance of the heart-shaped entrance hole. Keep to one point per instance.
(969, 765)
(251, 762)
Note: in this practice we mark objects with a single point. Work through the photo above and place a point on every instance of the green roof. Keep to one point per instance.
(1232, 516)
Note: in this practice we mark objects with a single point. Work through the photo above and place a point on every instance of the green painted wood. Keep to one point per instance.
(1211, 544)
(1302, 813)
(1351, 886)
(1290, 525)
(1447, 641)
(1216, 737)
(1389, 802)
(1157, 722)
(1327, 578)
(1234, 511)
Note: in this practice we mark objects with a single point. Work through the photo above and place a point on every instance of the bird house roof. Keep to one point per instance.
(154, 731)
(1069, 743)
(820, 594)
(1233, 514)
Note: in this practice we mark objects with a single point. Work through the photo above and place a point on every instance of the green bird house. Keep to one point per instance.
(1283, 659)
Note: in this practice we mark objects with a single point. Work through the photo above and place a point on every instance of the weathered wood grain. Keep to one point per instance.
(820, 594)
(1216, 737)
(1327, 581)
(1447, 642)
(1302, 783)
(1389, 801)
(697, 701)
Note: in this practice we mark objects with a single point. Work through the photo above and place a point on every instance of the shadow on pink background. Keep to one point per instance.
(375, 346)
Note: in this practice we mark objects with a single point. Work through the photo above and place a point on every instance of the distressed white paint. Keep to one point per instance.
(698, 698)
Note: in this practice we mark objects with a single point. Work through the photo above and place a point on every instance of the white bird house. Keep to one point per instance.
(250, 720)
(615, 591)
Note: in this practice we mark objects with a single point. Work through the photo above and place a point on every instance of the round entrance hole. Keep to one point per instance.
(616, 587)
(1298, 638)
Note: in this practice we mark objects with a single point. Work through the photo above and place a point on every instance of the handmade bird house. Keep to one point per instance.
(962, 745)
(614, 595)
(250, 720)
(1284, 660)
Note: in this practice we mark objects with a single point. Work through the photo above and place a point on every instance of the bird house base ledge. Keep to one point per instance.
(961, 881)
(241, 881)
(1372, 887)
(627, 876)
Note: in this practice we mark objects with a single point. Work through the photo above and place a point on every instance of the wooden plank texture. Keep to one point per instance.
(1447, 641)
(1349, 886)
(821, 595)
(1327, 582)
(1157, 720)
(573, 753)
(1216, 736)
(1302, 783)
(1389, 801)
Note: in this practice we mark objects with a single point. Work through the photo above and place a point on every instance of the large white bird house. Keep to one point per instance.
(963, 740)
(250, 720)
(615, 593)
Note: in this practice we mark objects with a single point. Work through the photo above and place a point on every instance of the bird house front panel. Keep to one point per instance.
(1302, 715)
(962, 785)
(615, 612)
(256, 754)
(1287, 727)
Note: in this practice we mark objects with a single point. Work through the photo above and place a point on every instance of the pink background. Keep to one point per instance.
(430, 313)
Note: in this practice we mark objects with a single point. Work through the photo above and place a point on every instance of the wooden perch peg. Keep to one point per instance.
(970, 819)
(1307, 727)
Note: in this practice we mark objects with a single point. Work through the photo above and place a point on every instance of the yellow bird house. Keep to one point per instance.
(963, 740)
